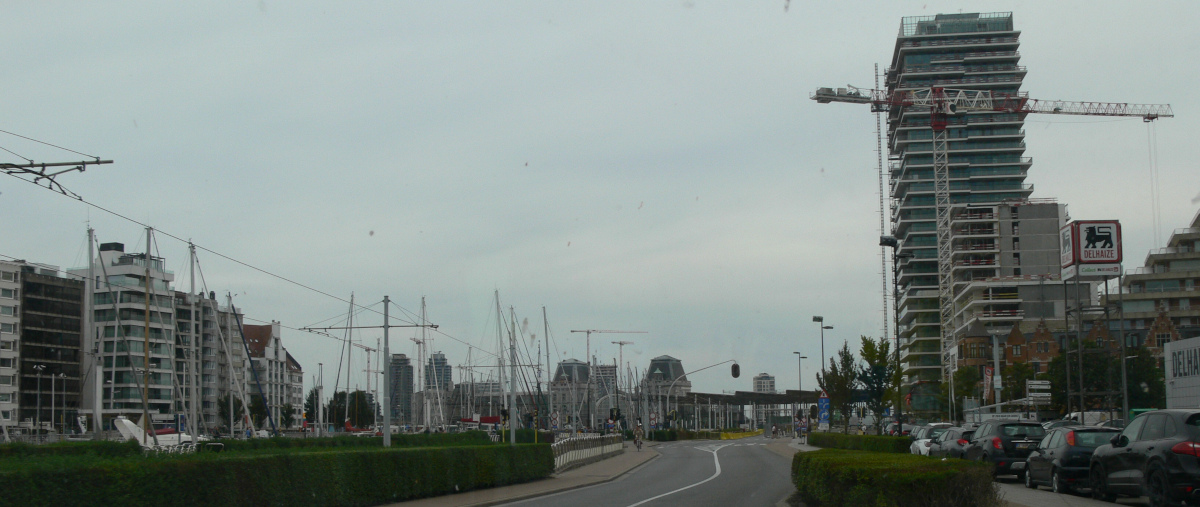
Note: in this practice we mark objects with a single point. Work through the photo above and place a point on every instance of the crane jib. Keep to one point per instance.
(950, 100)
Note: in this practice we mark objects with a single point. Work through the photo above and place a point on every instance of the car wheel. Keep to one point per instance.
(1100, 485)
(1057, 484)
(1029, 481)
(1157, 490)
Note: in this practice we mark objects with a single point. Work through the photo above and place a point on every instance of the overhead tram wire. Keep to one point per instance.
(200, 247)
(45, 143)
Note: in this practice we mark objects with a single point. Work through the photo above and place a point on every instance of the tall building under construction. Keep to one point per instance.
(985, 156)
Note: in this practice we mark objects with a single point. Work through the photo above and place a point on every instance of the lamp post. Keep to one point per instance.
(62, 414)
(891, 241)
(821, 323)
(799, 383)
(38, 415)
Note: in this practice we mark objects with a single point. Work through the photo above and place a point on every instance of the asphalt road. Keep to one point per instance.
(698, 473)
(1017, 494)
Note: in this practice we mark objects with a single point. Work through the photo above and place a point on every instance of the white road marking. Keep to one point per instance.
(716, 462)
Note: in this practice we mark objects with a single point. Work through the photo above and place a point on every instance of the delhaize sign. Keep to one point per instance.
(1091, 248)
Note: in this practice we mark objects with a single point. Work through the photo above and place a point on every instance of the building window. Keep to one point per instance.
(6, 380)
(8, 328)
(1016, 350)
(8, 276)
(10, 311)
(1161, 338)
(6, 415)
(7, 345)
(8, 293)
(5, 398)
(6, 362)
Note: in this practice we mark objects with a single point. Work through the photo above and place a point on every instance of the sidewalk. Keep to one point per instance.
(595, 473)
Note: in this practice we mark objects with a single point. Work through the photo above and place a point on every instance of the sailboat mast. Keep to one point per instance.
(146, 424)
(89, 291)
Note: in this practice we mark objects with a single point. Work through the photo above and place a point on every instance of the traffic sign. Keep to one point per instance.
(1032, 383)
(1039, 395)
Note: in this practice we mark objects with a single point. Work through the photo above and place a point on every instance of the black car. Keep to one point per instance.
(1157, 455)
(1005, 444)
(951, 443)
(1061, 460)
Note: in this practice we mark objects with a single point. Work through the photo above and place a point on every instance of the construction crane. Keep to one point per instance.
(942, 103)
(588, 345)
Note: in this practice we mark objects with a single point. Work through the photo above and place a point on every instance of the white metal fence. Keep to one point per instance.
(572, 451)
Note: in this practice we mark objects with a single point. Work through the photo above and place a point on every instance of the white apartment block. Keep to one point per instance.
(10, 286)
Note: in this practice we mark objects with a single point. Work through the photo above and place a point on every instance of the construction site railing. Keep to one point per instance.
(577, 451)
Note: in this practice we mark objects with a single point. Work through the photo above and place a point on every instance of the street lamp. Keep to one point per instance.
(821, 322)
(800, 382)
(38, 415)
(891, 241)
(63, 413)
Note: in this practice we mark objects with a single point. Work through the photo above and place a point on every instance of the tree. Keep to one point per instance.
(287, 415)
(1014, 376)
(966, 381)
(310, 407)
(362, 412)
(258, 410)
(876, 376)
(839, 382)
(223, 411)
(1102, 372)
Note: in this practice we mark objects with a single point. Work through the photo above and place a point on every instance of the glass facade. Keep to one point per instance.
(985, 153)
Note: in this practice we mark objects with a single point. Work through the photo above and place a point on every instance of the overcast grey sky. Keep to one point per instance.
(651, 166)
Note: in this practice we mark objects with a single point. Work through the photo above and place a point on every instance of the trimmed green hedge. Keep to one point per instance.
(525, 436)
(836, 477)
(663, 435)
(873, 443)
(102, 448)
(343, 441)
(351, 477)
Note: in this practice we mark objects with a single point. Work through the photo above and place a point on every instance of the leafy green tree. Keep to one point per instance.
(967, 384)
(310, 406)
(361, 413)
(1102, 372)
(287, 416)
(839, 381)
(258, 410)
(877, 376)
(1014, 376)
(223, 412)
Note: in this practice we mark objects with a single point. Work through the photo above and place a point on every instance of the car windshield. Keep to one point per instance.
(936, 432)
(1093, 438)
(1023, 430)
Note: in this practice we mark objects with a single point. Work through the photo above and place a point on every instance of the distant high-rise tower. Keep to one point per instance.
(401, 389)
(438, 373)
(986, 161)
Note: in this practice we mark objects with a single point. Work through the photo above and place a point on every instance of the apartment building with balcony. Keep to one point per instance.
(41, 353)
(120, 316)
(274, 372)
(985, 155)
(1007, 275)
(1161, 299)
(10, 348)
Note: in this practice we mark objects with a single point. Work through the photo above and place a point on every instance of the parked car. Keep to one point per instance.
(951, 443)
(1006, 444)
(920, 445)
(1049, 425)
(1062, 458)
(1113, 423)
(1157, 454)
(897, 430)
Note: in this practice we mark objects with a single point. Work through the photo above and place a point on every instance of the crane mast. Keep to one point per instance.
(941, 104)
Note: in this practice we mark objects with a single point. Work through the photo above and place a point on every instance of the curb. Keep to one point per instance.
(563, 490)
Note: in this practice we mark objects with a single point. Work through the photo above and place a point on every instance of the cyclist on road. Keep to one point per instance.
(638, 433)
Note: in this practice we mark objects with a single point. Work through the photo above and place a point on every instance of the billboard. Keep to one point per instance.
(1091, 249)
